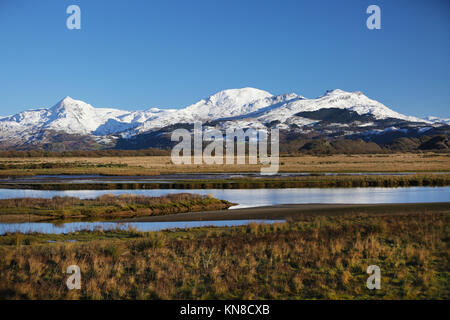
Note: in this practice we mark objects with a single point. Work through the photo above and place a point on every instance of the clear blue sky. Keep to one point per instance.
(138, 54)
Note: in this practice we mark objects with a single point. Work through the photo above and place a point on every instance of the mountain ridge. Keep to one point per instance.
(238, 108)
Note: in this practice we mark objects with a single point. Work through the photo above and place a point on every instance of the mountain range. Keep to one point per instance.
(74, 124)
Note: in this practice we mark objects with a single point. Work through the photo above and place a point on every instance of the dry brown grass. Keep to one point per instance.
(317, 258)
(160, 165)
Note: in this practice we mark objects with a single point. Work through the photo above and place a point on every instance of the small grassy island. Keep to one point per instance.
(105, 207)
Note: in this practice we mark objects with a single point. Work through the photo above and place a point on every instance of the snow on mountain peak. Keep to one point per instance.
(232, 107)
(334, 92)
(437, 120)
(228, 103)
(68, 99)
(223, 104)
(71, 105)
(339, 99)
(340, 92)
(243, 96)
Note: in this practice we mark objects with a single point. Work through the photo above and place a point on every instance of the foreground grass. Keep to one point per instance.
(423, 162)
(105, 207)
(314, 258)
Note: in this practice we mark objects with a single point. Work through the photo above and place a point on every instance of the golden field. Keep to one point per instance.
(153, 165)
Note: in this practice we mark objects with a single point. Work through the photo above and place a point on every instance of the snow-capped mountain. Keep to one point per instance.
(437, 120)
(354, 101)
(242, 108)
(72, 117)
(227, 103)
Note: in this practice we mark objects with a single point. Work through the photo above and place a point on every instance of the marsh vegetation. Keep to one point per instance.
(316, 257)
(312, 181)
(104, 207)
(150, 165)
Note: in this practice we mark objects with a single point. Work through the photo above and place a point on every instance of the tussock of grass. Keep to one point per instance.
(316, 258)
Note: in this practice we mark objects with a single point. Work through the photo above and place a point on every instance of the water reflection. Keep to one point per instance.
(263, 197)
(140, 226)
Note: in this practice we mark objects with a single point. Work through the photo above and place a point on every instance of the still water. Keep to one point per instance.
(246, 198)
(43, 227)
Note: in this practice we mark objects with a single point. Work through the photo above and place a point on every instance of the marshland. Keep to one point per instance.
(308, 233)
(35, 163)
(312, 257)
(106, 206)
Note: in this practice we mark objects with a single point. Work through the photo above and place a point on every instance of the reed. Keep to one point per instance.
(313, 181)
(314, 258)
(105, 207)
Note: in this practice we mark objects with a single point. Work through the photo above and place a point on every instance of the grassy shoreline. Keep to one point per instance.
(105, 207)
(301, 211)
(319, 181)
(321, 257)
